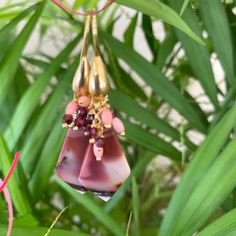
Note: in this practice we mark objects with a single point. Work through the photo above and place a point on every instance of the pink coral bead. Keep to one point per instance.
(71, 107)
(118, 126)
(84, 101)
(107, 117)
(98, 152)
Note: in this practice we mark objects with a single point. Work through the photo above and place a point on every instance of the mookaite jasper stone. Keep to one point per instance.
(106, 176)
(78, 166)
(71, 158)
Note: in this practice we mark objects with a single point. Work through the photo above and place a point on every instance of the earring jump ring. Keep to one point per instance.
(63, 6)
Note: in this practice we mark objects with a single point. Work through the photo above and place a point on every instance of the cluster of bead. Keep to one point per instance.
(93, 116)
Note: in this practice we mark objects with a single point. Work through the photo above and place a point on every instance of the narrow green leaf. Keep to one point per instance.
(130, 31)
(31, 98)
(166, 48)
(40, 232)
(19, 198)
(122, 80)
(147, 27)
(153, 143)
(45, 166)
(4, 32)
(198, 55)
(18, 88)
(161, 11)
(209, 193)
(197, 168)
(217, 24)
(185, 4)
(225, 225)
(133, 109)
(10, 63)
(93, 208)
(153, 77)
(135, 204)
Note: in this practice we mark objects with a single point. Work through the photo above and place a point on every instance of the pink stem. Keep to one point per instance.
(63, 6)
(10, 208)
(3, 189)
(13, 166)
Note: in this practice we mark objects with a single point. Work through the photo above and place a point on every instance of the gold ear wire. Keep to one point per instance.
(98, 83)
(81, 78)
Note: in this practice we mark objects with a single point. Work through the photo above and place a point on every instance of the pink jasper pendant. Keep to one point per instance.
(71, 158)
(106, 176)
(78, 166)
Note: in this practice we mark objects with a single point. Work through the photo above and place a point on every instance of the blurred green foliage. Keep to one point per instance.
(195, 191)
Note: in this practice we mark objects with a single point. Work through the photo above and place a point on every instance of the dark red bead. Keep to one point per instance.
(68, 119)
(77, 122)
(80, 122)
(100, 142)
(93, 132)
(90, 118)
(82, 112)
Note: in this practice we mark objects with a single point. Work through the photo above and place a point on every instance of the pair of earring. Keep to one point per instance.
(92, 158)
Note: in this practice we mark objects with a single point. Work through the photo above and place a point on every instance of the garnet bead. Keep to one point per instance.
(79, 122)
(90, 118)
(68, 119)
(93, 132)
(100, 142)
(82, 112)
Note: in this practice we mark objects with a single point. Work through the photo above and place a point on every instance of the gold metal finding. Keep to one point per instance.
(81, 78)
(98, 83)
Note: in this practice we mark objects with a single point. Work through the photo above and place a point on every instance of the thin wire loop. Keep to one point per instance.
(63, 6)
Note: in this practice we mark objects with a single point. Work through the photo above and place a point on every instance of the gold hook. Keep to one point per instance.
(81, 78)
(98, 83)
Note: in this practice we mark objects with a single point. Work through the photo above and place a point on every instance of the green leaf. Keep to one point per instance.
(133, 109)
(130, 31)
(19, 198)
(135, 204)
(185, 4)
(161, 11)
(225, 225)
(93, 208)
(31, 98)
(17, 231)
(153, 43)
(9, 65)
(45, 166)
(209, 193)
(153, 77)
(122, 79)
(153, 143)
(166, 48)
(196, 170)
(217, 24)
(198, 55)
(4, 32)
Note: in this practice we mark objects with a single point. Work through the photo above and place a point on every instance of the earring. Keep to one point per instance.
(92, 158)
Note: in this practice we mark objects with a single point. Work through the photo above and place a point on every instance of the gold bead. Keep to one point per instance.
(98, 83)
(81, 78)
(64, 125)
(92, 140)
